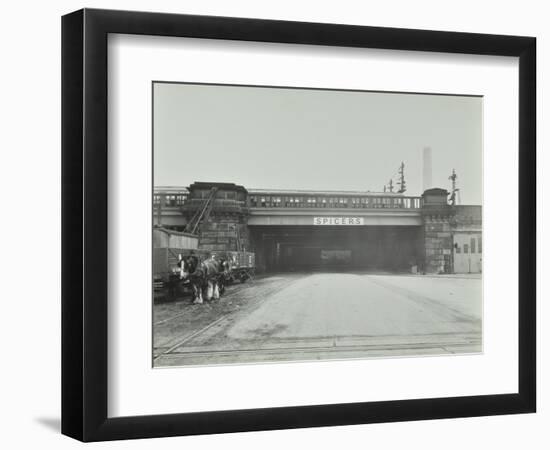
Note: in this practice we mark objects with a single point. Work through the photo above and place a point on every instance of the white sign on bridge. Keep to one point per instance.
(337, 221)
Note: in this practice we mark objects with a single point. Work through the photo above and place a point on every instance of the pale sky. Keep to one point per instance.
(277, 138)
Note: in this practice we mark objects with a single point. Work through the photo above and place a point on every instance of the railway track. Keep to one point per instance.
(313, 352)
(189, 337)
(168, 347)
(227, 296)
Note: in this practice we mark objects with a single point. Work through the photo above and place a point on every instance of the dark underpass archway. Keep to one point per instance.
(376, 248)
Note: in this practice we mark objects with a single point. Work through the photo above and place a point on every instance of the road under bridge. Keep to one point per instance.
(288, 248)
(332, 315)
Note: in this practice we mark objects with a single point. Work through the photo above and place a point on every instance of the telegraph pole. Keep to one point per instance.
(454, 190)
(401, 182)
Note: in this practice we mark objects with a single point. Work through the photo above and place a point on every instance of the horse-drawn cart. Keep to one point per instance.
(240, 266)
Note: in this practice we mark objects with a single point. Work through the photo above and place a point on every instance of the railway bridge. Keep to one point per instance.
(298, 229)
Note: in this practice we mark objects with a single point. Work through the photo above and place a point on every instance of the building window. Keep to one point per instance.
(457, 247)
(465, 248)
(479, 244)
(473, 245)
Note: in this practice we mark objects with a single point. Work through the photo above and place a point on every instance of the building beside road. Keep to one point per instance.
(297, 229)
(467, 239)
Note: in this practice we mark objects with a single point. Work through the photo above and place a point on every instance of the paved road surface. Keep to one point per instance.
(329, 315)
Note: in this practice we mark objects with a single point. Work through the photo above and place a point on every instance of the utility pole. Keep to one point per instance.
(454, 190)
(401, 182)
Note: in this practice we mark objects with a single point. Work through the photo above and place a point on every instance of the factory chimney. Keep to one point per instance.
(427, 168)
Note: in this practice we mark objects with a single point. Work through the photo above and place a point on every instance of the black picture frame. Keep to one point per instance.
(84, 224)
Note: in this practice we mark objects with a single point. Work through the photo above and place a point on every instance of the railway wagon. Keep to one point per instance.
(241, 265)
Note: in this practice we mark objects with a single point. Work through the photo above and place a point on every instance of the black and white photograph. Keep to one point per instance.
(297, 224)
(275, 225)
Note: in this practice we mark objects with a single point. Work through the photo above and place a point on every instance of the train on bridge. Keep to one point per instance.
(321, 230)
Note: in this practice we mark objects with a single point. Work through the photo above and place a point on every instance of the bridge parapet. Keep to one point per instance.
(267, 207)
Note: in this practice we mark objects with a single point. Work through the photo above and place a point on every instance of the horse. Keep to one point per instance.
(205, 276)
(224, 276)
